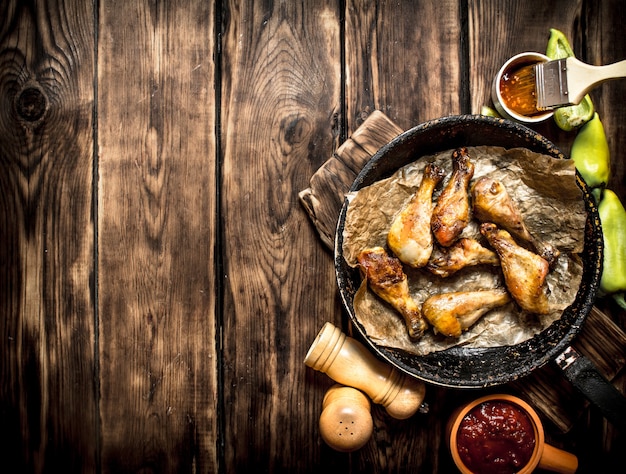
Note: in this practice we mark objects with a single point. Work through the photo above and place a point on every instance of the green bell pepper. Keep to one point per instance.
(590, 152)
(489, 112)
(558, 45)
(613, 219)
(574, 116)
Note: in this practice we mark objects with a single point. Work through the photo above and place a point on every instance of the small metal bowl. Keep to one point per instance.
(516, 62)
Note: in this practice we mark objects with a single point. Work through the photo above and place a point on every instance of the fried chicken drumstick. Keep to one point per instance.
(452, 211)
(524, 271)
(409, 237)
(492, 203)
(445, 261)
(452, 313)
(387, 279)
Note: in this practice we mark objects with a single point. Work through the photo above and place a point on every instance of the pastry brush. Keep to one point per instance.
(562, 82)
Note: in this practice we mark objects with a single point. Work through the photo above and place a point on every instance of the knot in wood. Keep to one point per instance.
(295, 130)
(31, 103)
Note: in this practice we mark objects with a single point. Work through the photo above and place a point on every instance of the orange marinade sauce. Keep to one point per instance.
(517, 88)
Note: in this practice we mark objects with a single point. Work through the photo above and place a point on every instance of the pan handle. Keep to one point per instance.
(584, 375)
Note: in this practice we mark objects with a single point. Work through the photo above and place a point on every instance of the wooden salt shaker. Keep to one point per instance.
(348, 362)
(346, 422)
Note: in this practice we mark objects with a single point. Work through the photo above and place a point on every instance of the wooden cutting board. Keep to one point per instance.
(601, 340)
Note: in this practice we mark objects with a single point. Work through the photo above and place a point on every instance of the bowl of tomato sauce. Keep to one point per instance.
(503, 434)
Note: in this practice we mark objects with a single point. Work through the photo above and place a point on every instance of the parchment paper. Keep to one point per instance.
(544, 190)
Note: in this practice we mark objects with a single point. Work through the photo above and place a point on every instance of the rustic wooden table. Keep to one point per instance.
(161, 281)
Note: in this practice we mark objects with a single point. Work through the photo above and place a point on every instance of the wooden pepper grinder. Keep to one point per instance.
(346, 422)
(348, 362)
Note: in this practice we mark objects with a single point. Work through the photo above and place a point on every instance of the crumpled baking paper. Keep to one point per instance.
(544, 190)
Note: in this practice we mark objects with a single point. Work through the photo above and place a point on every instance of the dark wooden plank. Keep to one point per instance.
(403, 58)
(47, 323)
(595, 30)
(281, 87)
(327, 188)
(499, 30)
(157, 232)
(604, 43)
(600, 40)
(603, 342)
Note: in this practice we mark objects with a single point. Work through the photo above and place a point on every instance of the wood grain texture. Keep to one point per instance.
(600, 40)
(47, 391)
(393, 441)
(591, 28)
(280, 95)
(601, 48)
(410, 69)
(500, 30)
(156, 239)
(160, 281)
(403, 59)
(327, 189)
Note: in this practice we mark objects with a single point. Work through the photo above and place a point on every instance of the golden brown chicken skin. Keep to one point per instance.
(387, 279)
(452, 313)
(465, 252)
(492, 203)
(524, 271)
(452, 211)
(409, 237)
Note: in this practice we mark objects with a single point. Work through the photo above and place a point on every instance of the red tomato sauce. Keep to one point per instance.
(496, 437)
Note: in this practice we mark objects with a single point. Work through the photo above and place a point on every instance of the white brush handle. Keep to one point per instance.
(582, 77)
